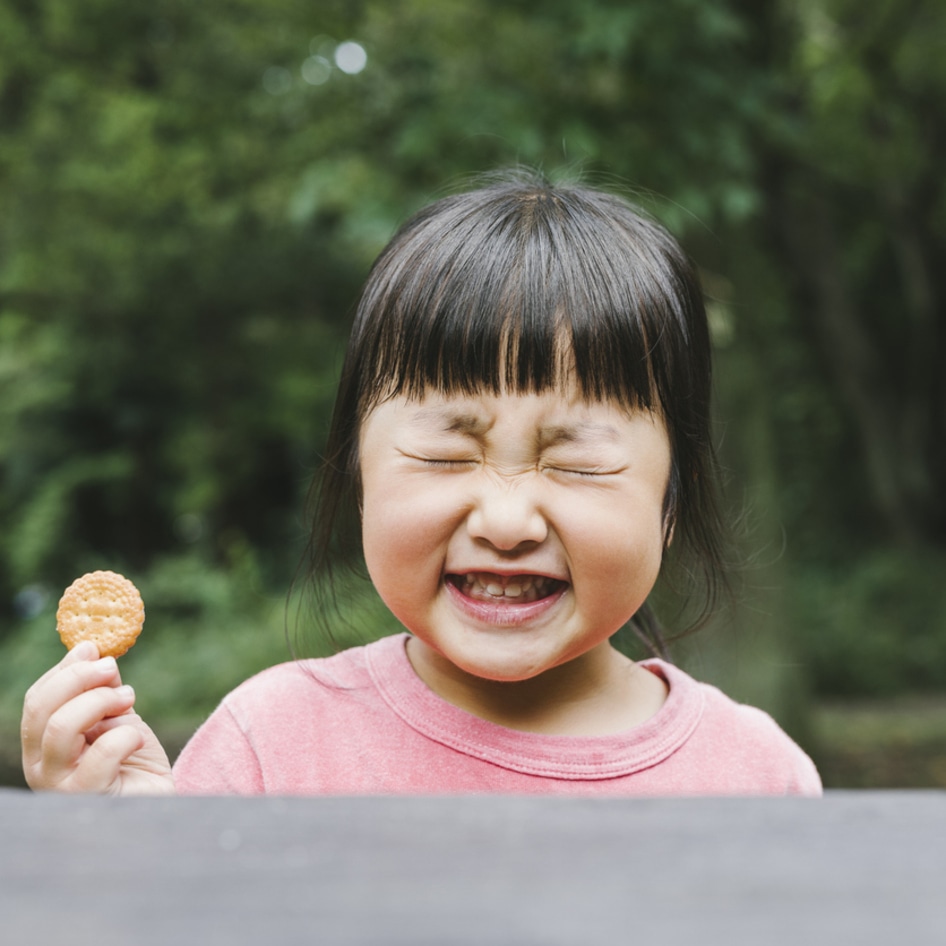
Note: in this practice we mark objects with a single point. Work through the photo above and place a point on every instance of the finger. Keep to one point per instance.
(100, 766)
(84, 650)
(55, 689)
(128, 718)
(151, 756)
(64, 738)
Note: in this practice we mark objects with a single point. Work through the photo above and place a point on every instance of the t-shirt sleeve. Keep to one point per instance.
(742, 750)
(788, 767)
(779, 765)
(804, 778)
(218, 760)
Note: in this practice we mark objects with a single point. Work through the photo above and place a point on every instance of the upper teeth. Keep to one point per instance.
(522, 585)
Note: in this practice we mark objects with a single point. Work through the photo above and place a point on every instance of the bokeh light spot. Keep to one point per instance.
(351, 57)
(316, 70)
(31, 601)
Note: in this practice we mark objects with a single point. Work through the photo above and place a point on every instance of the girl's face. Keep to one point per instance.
(512, 533)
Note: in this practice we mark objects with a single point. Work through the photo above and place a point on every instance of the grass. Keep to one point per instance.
(895, 743)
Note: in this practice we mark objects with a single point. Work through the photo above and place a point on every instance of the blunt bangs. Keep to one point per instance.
(522, 288)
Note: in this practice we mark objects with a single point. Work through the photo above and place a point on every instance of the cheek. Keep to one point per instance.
(383, 531)
(620, 549)
(403, 536)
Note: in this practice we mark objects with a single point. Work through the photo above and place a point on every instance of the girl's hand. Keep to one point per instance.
(81, 734)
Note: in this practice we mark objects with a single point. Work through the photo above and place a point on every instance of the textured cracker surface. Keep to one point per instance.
(104, 607)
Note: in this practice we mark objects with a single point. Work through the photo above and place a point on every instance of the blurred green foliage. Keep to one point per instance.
(191, 194)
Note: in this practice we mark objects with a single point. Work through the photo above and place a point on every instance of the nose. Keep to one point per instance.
(507, 516)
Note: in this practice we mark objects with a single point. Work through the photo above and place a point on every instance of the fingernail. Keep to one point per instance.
(84, 650)
(126, 692)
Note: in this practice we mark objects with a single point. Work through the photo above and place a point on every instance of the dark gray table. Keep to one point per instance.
(851, 870)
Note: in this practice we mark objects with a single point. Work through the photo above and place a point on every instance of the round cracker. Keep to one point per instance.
(104, 607)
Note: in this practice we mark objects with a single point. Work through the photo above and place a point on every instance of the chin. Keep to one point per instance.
(499, 668)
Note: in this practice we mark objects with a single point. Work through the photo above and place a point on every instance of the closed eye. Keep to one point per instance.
(445, 463)
(436, 461)
(588, 472)
(577, 471)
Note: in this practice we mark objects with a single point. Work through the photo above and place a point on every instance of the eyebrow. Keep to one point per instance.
(581, 432)
(450, 420)
(553, 435)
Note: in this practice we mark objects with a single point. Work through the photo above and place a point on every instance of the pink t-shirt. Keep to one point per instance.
(362, 722)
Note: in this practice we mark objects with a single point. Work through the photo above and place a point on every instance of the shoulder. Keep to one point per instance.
(253, 741)
(340, 673)
(742, 743)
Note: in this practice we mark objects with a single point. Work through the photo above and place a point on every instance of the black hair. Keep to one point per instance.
(508, 287)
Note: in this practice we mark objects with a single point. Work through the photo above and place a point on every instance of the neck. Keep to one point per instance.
(600, 693)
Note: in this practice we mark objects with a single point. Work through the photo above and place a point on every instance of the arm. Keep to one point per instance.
(80, 732)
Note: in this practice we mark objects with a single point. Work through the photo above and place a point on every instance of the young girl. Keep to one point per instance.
(520, 444)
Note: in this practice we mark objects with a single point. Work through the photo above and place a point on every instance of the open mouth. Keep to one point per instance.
(510, 589)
